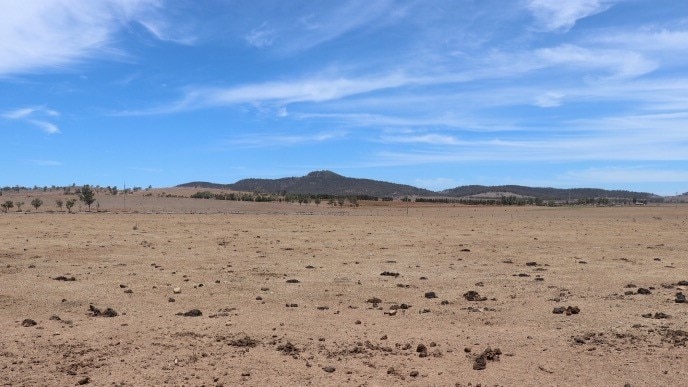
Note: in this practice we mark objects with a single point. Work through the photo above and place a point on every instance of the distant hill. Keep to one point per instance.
(547, 193)
(319, 182)
(330, 183)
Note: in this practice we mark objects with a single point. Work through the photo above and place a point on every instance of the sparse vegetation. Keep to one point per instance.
(59, 203)
(70, 203)
(87, 195)
(7, 205)
(36, 203)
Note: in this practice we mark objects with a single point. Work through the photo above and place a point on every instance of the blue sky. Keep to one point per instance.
(435, 94)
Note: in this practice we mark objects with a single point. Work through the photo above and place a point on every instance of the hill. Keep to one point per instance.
(330, 183)
(548, 193)
(320, 182)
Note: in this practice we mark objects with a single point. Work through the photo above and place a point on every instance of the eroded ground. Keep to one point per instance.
(292, 295)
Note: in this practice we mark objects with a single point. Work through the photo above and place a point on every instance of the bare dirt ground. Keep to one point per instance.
(375, 295)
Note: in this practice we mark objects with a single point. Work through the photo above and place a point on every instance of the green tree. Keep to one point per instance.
(36, 203)
(70, 203)
(88, 196)
(59, 203)
(317, 202)
(19, 205)
(6, 206)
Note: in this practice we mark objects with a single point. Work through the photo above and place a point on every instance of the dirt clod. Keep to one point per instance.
(191, 313)
(96, 312)
(472, 295)
(28, 322)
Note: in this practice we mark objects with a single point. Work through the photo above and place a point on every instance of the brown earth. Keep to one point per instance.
(497, 275)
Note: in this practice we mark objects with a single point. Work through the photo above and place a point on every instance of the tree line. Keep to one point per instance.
(87, 195)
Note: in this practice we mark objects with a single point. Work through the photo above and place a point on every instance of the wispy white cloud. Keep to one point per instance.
(619, 63)
(549, 99)
(282, 140)
(34, 116)
(47, 127)
(557, 15)
(423, 138)
(45, 163)
(261, 37)
(279, 93)
(52, 34)
(647, 39)
(318, 25)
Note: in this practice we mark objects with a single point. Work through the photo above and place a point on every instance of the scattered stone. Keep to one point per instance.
(95, 312)
(122, 286)
(680, 298)
(177, 290)
(374, 300)
(422, 350)
(310, 267)
(28, 322)
(682, 283)
(288, 349)
(244, 342)
(171, 299)
(293, 281)
(191, 313)
(389, 274)
(465, 250)
(128, 291)
(63, 278)
(430, 295)
(414, 374)
(632, 286)
(480, 362)
(657, 315)
(358, 322)
(83, 381)
(531, 264)
(329, 369)
(643, 291)
(264, 289)
(472, 295)
(569, 310)
(292, 305)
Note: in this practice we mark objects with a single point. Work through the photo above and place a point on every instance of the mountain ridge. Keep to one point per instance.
(326, 182)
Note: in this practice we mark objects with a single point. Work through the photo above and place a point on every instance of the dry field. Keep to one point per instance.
(294, 295)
